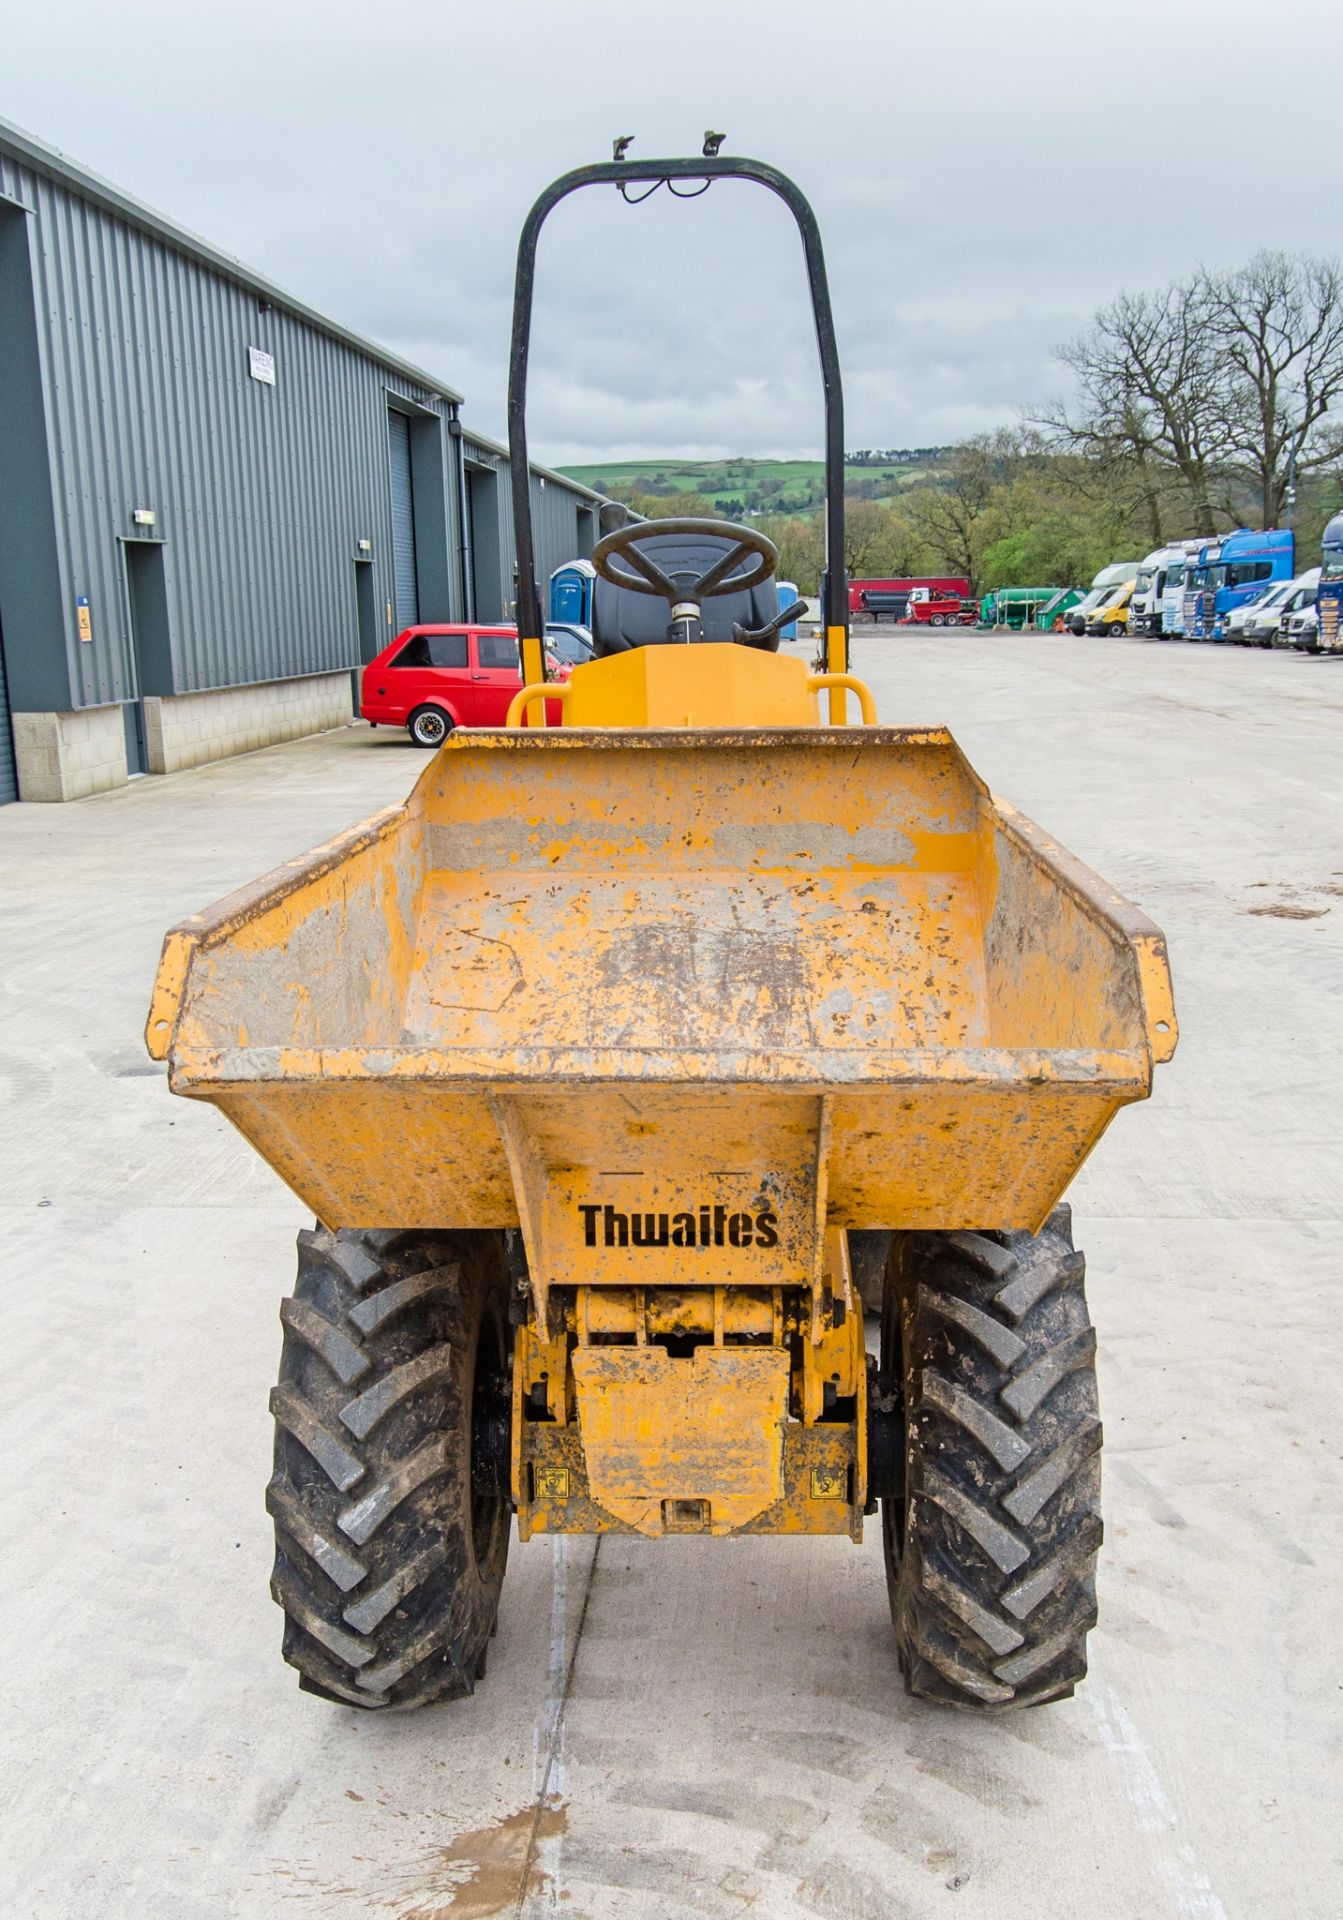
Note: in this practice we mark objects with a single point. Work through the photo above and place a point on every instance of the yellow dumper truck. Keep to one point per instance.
(600, 1058)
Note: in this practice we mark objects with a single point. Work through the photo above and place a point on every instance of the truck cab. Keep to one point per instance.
(1235, 569)
(1329, 596)
(1147, 607)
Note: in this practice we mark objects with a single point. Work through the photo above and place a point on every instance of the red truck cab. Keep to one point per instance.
(431, 679)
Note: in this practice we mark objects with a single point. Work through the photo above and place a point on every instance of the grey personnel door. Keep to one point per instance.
(405, 591)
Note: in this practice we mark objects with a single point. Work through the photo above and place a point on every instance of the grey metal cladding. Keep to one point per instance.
(261, 493)
(33, 604)
(564, 518)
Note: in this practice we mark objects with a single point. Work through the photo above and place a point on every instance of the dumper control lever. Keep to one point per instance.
(761, 636)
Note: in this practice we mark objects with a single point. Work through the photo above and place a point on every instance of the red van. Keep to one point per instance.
(432, 679)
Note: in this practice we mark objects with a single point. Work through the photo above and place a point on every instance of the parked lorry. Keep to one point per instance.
(1145, 608)
(1101, 590)
(1230, 571)
(1329, 598)
(1173, 591)
(938, 609)
(899, 589)
(596, 1057)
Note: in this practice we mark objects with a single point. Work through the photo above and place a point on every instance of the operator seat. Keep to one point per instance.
(622, 619)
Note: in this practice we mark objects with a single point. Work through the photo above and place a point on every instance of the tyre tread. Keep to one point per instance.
(384, 1600)
(993, 1585)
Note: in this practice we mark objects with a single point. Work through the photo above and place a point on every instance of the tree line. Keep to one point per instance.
(1214, 401)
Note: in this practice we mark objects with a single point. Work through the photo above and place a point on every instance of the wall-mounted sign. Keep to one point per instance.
(261, 365)
(83, 618)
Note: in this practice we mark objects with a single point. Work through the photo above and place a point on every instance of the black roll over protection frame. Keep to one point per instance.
(622, 173)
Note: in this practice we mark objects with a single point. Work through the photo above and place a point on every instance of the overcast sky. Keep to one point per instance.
(984, 173)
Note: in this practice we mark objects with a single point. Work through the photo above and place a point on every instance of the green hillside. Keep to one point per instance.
(773, 486)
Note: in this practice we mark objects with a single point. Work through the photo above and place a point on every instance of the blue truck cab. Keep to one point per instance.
(1329, 595)
(1231, 571)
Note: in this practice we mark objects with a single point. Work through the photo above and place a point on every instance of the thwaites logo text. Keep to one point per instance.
(707, 1226)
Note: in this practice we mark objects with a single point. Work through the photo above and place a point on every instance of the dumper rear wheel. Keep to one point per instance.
(991, 1545)
(390, 1491)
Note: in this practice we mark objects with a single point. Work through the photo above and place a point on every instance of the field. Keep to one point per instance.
(780, 486)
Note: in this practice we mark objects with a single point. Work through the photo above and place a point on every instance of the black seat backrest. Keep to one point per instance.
(622, 618)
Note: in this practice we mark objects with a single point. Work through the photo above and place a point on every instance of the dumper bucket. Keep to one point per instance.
(616, 986)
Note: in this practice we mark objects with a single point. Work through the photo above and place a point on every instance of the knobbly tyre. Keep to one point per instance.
(601, 1061)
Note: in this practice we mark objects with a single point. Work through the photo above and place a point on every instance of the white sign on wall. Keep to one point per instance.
(261, 365)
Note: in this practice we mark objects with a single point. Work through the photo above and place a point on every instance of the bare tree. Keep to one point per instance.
(1146, 372)
(1276, 327)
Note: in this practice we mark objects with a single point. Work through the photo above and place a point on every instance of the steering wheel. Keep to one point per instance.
(639, 572)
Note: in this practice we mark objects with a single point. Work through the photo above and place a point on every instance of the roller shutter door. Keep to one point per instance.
(9, 780)
(406, 598)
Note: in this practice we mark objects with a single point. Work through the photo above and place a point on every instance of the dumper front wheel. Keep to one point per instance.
(390, 1491)
(991, 1544)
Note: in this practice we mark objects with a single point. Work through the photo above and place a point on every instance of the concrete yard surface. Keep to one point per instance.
(696, 1727)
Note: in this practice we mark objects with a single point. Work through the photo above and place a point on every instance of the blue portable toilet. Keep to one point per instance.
(571, 593)
(787, 598)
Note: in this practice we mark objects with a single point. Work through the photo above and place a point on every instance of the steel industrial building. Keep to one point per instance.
(214, 502)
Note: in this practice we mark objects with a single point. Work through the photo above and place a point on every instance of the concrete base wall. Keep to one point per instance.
(67, 756)
(192, 728)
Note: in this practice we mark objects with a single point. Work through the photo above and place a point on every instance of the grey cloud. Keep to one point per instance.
(983, 175)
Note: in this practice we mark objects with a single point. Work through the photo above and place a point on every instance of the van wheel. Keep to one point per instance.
(392, 1450)
(429, 726)
(991, 1539)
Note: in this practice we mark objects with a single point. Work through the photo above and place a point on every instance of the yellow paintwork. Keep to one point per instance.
(1115, 611)
(702, 686)
(533, 660)
(740, 1434)
(705, 1430)
(683, 998)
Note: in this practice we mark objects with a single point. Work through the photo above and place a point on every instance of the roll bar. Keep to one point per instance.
(655, 173)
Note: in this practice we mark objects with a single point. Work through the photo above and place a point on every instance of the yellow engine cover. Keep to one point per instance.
(701, 686)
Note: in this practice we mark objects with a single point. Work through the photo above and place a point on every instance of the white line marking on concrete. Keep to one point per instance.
(1192, 1891)
(548, 1782)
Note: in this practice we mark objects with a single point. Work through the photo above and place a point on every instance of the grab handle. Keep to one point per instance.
(535, 690)
(868, 706)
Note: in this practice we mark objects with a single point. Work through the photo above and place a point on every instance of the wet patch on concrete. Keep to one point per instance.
(488, 1871)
